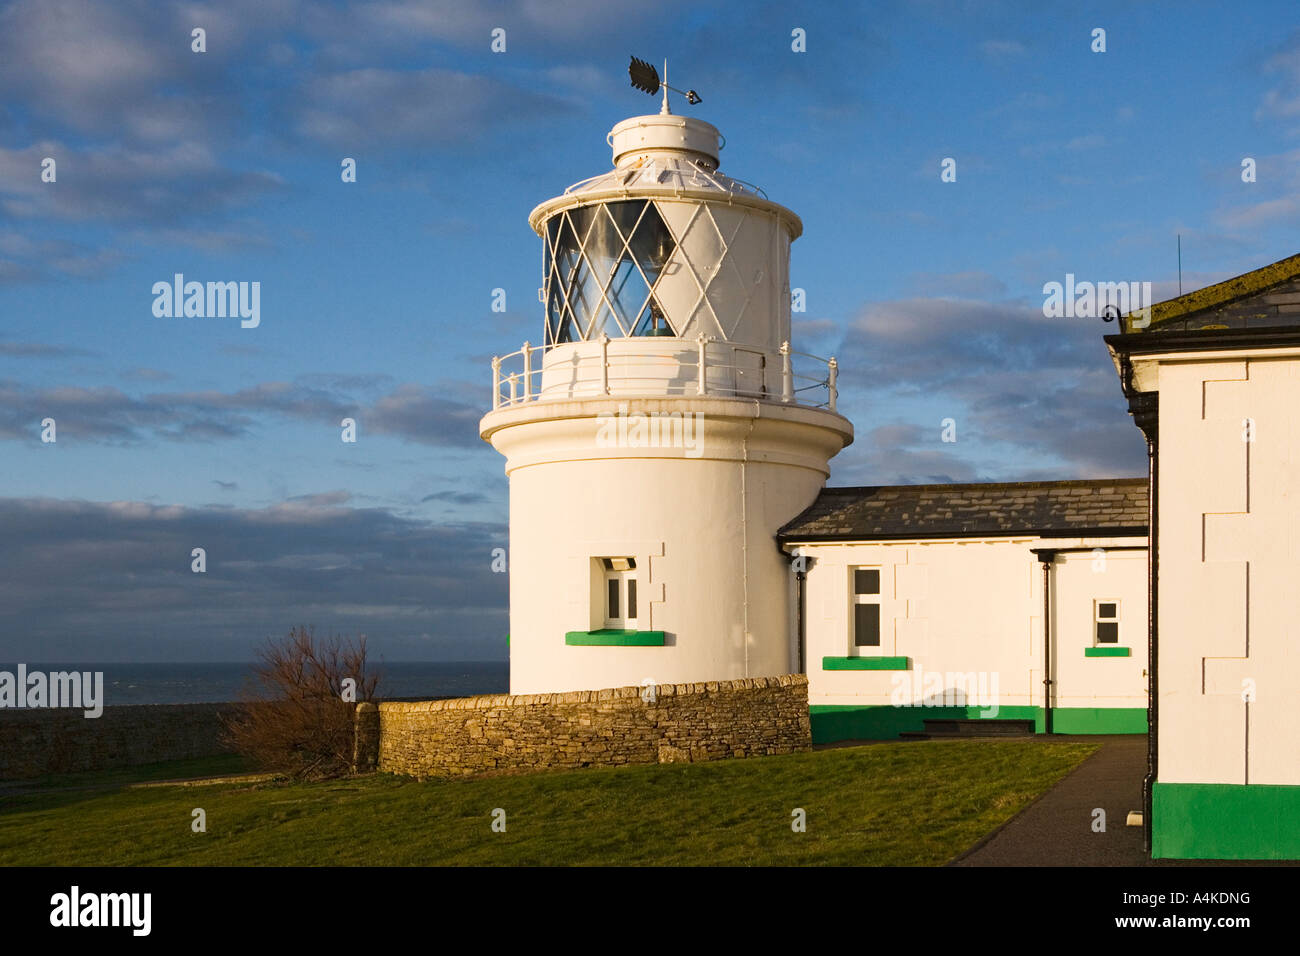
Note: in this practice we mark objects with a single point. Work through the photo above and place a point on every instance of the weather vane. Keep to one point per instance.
(646, 78)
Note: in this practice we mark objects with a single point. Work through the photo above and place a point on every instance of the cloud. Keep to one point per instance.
(147, 375)
(53, 258)
(1283, 101)
(418, 413)
(1275, 195)
(1014, 381)
(144, 130)
(40, 350)
(456, 497)
(1285, 209)
(813, 328)
(363, 31)
(903, 454)
(345, 382)
(12, 273)
(124, 69)
(372, 107)
(319, 499)
(83, 61)
(1002, 49)
(1025, 102)
(975, 284)
(1075, 144)
(208, 240)
(1087, 141)
(160, 186)
(111, 416)
(112, 581)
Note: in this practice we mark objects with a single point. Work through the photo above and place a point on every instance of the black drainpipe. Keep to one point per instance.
(1047, 556)
(1145, 409)
(800, 574)
(799, 564)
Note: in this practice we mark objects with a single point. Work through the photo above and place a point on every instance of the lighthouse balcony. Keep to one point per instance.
(660, 366)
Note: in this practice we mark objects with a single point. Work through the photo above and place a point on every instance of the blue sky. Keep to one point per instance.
(176, 433)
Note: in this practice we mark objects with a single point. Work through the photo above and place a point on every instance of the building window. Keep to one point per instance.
(866, 607)
(620, 593)
(1106, 622)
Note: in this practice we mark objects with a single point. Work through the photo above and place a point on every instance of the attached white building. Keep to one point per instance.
(1213, 381)
(942, 602)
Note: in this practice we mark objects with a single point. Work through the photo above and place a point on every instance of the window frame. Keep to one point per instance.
(1098, 620)
(875, 599)
(624, 580)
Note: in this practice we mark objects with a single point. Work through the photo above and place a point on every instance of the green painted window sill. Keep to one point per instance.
(1108, 651)
(865, 664)
(614, 637)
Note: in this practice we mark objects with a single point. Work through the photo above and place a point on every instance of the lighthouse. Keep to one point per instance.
(662, 427)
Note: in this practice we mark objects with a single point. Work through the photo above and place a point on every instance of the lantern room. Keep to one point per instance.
(665, 244)
(663, 277)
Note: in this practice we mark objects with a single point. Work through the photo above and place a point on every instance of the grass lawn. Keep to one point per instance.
(894, 804)
(107, 779)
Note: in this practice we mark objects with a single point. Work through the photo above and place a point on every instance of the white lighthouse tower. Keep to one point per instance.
(663, 430)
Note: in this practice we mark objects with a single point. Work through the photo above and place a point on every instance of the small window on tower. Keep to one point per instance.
(620, 593)
(1106, 622)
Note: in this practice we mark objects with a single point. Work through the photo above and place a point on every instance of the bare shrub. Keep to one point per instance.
(296, 717)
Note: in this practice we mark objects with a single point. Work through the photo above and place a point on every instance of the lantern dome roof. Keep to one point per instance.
(664, 155)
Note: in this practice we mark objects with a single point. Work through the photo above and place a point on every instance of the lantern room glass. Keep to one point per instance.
(602, 263)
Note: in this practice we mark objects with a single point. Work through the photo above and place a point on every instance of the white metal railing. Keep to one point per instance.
(704, 365)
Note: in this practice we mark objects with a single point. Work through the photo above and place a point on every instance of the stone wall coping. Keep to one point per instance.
(488, 701)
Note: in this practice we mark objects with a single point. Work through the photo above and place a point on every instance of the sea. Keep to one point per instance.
(215, 683)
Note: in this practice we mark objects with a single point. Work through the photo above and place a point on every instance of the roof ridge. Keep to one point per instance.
(1049, 483)
(1092, 507)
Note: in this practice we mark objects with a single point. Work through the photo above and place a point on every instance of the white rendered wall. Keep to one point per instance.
(977, 606)
(1229, 570)
(1079, 580)
(701, 524)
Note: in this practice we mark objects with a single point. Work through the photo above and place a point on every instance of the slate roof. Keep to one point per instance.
(1267, 297)
(1093, 506)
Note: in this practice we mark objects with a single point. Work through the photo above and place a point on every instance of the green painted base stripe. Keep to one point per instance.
(611, 637)
(1099, 720)
(833, 722)
(1219, 821)
(864, 663)
(1107, 652)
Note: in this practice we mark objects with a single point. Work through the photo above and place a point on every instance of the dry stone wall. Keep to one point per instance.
(43, 741)
(625, 725)
(468, 735)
